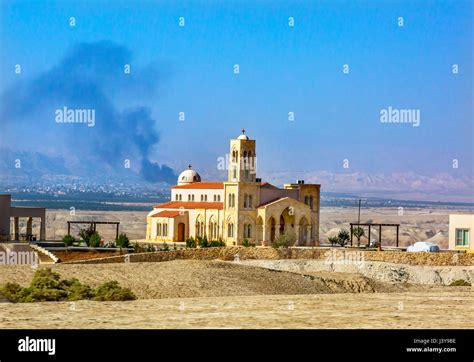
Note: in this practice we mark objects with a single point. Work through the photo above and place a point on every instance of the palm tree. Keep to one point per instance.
(358, 232)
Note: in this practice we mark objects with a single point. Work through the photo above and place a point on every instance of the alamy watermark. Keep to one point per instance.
(12, 257)
(345, 257)
(74, 115)
(395, 115)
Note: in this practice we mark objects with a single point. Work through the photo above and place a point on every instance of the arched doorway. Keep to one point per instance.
(181, 229)
(287, 221)
(259, 236)
(303, 231)
(272, 224)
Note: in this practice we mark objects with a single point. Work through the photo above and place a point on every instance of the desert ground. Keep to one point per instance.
(427, 224)
(222, 294)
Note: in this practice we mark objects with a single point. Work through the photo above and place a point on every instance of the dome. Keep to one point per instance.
(243, 136)
(188, 176)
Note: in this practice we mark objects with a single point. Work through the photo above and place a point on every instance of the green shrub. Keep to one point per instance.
(460, 283)
(122, 241)
(112, 291)
(68, 240)
(86, 234)
(284, 240)
(333, 240)
(165, 246)
(46, 285)
(343, 237)
(94, 241)
(202, 242)
(46, 279)
(76, 290)
(247, 244)
(216, 243)
(32, 294)
(11, 291)
(190, 242)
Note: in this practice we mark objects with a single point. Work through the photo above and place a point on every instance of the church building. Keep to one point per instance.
(243, 207)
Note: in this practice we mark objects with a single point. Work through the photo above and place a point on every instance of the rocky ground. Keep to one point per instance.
(223, 294)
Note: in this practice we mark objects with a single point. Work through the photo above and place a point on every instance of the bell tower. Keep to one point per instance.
(242, 159)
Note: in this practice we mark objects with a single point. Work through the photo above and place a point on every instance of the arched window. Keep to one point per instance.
(202, 198)
(218, 197)
(230, 230)
(180, 197)
(192, 197)
(245, 201)
(231, 200)
(165, 229)
(247, 231)
(311, 202)
(213, 230)
(176, 197)
(158, 229)
(189, 197)
(200, 227)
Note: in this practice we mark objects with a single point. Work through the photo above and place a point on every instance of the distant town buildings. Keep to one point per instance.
(243, 207)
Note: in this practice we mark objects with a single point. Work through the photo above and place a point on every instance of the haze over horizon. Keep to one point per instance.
(337, 137)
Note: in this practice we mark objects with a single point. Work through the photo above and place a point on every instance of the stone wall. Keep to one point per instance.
(242, 253)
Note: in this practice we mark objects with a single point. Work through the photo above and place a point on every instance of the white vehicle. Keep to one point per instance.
(423, 246)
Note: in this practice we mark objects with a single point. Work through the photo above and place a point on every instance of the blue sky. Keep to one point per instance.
(282, 69)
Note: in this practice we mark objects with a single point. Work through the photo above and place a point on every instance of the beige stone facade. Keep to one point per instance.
(461, 227)
(243, 207)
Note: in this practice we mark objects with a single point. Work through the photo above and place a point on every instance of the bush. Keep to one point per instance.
(77, 291)
(333, 240)
(46, 285)
(112, 291)
(202, 242)
(343, 237)
(86, 234)
(11, 291)
(284, 240)
(94, 240)
(122, 241)
(68, 240)
(216, 243)
(460, 283)
(165, 246)
(46, 279)
(358, 232)
(190, 242)
(247, 244)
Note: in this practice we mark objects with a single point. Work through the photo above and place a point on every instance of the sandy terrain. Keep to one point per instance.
(202, 294)
(447, 308)
(416, 224)
(200, 278)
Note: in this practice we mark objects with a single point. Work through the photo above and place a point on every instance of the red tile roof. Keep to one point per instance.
(190, 205)
(201, 185)
(269, 185)
(167, 213)
(271, 201)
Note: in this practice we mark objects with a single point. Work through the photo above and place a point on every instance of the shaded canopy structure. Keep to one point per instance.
(379, 226)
